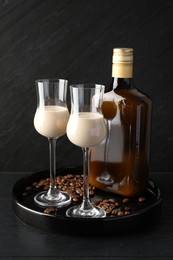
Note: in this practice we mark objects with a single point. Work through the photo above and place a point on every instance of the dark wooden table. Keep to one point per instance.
(20, 241)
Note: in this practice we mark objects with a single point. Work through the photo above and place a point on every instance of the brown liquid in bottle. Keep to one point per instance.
(120, 163)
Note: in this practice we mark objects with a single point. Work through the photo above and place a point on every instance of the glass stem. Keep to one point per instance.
(52, 154)
(108, 126)
(86, 204)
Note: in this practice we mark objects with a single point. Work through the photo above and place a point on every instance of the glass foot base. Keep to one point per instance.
(106, 181)
(61, 200)
(94, 212)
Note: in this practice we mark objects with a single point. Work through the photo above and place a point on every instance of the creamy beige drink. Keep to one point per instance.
(51, 121)
(86, 129)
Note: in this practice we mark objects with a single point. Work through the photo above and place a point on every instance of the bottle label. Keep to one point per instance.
(122, 70)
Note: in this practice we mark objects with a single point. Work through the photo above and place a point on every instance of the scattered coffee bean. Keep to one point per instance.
(114, 212)
(76, 198)
(49, 210)
(91, 193)
(108, 210)
(127, 208)
(113, 207)
(24, 194)
(28, 188)
(120, 213)
(78, 191)
(125, 200)
(46, 187)
(117, 204)
(112, 200)
(141, 199)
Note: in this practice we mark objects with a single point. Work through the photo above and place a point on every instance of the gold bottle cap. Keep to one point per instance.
(122, 55)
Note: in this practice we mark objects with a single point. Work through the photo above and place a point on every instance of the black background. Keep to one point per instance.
(73, 39)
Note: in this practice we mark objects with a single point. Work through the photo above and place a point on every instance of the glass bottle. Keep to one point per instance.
(120, 164)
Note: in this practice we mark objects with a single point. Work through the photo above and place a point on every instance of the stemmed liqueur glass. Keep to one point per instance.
(86, 128)
(50, 120)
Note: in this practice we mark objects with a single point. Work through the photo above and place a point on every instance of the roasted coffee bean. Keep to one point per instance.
(125, 200)
(141, 199)
(78, 191)
(114, 212)
(91, 192)
(117, 204)
(41, 183)
(127, 208)
(108, 210)
(105, 206)
(46, 183)
(49, 210)
(34, 184)
(24, 194)
(28, 188)
(106, 201)
(120, 213)
(112, 200)
(46, 187)
(75, 198)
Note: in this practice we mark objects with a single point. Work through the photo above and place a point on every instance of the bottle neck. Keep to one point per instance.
(122, 74)
(122, 83)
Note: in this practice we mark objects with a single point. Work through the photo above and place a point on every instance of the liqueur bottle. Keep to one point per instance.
(120, 164)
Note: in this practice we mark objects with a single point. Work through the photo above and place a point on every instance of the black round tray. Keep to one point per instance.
(28, 212)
